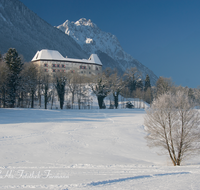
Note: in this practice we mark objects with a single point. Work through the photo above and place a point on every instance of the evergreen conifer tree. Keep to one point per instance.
(147, 83)
(14, 63)
(132, 84)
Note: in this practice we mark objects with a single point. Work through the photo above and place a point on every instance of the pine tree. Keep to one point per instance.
(147, 83)
(14, 63)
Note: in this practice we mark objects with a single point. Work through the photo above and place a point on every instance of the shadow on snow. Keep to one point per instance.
(132, 178)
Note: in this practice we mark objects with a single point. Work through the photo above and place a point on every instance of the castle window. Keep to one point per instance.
(97, 68)
(63, 66)
(45, 65)
(45, 70)
(53, 65)
(82, 67)
(54, 70)
(58, 65)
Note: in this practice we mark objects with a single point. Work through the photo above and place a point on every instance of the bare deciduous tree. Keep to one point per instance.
(73, 85)
(164, 85)
(117, 84)
(173, 124)
(29, 83)
(100, 87)
(60, 82)
(45, 86)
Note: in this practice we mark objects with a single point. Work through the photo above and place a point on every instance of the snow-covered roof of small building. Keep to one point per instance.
(51, 55)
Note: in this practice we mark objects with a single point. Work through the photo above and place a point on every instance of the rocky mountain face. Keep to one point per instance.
(22, 29)
(106, 45)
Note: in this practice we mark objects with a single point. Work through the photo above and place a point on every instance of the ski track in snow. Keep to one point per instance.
(92, 149)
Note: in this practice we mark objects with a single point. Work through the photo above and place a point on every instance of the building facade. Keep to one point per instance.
(52, 61)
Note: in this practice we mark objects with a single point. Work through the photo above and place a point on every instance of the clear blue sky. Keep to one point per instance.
(164, 35)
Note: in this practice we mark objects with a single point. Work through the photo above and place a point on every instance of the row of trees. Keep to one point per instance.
(23, 83)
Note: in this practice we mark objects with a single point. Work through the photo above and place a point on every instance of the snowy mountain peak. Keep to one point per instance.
(84, 22)
(95, 41)
(92, 39)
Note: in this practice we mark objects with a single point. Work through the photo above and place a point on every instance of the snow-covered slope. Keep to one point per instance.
(22, 29)
(85, 149)
(106, 45)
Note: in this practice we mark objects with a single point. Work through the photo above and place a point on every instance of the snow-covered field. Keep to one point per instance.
(85, 149)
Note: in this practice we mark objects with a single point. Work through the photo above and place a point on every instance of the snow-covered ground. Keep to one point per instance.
(85, 149)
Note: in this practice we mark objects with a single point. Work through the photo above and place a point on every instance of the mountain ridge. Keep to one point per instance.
(22, 29)
(93, 40)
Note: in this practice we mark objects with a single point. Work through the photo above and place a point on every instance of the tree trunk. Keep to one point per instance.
(32, 99)
(100, 101)
(45, 99)
(52, 98)
(116, 100)
(4, 98)
(61, 100)
(39, 96)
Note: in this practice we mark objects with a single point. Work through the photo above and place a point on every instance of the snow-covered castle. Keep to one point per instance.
(52, 61)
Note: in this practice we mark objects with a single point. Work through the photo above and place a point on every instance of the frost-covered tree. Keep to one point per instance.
(14, 63)
(191, 94)
(163, 85)
(172, 124)
(148, 95)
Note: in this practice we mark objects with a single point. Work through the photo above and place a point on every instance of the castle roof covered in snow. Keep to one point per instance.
(53, 55)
